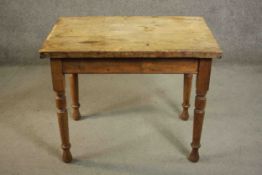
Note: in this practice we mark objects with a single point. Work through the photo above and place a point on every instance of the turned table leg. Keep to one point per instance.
(58, 79)
(202, 85)
(75, 96)
(186, 96)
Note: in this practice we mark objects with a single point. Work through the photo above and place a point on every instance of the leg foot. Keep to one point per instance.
(194, 155)
(75, 113)
(67, 156)
(184, 115)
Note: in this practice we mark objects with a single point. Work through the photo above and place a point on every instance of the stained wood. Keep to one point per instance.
(130, 37)
(58, 79)
(125, 66)
(74, 91)
(202, 86)
(186, 96)
(144, 45)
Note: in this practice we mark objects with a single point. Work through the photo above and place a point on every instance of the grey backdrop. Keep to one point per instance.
(25, 23)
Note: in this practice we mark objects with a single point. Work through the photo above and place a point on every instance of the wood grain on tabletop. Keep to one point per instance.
(136, 36)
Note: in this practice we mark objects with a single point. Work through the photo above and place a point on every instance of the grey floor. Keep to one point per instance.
(130, 124)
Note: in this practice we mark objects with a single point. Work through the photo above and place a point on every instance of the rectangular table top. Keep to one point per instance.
(130, 37)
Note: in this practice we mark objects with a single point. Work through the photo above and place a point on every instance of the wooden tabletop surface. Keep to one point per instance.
(130, 37)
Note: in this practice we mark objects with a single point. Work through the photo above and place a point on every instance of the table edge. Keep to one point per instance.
(130, 54)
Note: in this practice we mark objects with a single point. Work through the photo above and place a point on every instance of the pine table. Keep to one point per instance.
(130, 45)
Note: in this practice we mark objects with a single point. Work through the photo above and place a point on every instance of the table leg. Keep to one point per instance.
(202, 85)
(186, 96)
(58, 79)
(75, 96)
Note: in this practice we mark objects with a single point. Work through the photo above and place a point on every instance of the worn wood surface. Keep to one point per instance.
(127, 66)
(131, 37)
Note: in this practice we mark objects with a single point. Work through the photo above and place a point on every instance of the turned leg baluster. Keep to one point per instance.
(58, 79)
(63, 125)
(202, 85)
(75, 96)
(186, 96)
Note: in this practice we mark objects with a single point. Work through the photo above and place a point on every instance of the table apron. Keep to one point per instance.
(130, 66)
